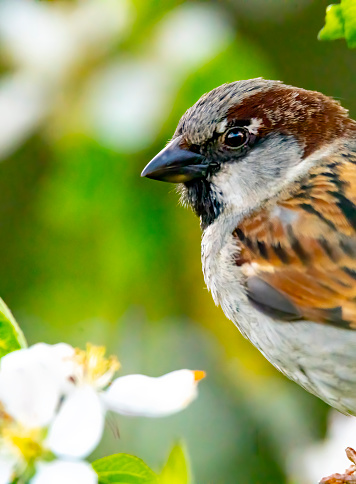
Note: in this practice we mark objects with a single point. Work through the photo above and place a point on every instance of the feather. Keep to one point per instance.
(299, 254)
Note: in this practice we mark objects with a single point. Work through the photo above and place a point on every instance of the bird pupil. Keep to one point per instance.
(236, 137)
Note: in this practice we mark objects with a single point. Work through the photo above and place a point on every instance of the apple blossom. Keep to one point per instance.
(53, 402)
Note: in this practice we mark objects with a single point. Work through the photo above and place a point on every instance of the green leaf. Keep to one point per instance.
(340, 22)
(177, 468)
(334, 24)
(11, 336)
(123, 469)
(349, 14)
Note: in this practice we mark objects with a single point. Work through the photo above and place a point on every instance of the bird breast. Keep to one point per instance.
(321, 358)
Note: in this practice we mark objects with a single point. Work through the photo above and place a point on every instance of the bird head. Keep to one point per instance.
(245, 142)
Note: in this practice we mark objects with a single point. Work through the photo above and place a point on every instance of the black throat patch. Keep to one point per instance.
(202, 199)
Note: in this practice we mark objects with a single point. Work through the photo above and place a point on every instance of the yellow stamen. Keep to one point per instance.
(28, 442)
(96, 368)
(199, 375)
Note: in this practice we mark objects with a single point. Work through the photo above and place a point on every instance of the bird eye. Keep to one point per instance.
(236, 137)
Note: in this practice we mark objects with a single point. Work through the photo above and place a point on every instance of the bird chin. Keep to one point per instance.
(199, 195)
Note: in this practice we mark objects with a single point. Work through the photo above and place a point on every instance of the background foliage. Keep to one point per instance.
(89, 92)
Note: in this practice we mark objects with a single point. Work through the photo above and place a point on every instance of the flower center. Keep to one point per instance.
(96, 369)
(26, 442)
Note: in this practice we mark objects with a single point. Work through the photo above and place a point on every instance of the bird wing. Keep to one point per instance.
(299, 256)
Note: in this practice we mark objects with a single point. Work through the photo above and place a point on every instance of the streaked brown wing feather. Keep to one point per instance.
(299, 256)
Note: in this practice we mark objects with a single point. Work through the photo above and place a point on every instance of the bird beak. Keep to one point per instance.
(176, 164)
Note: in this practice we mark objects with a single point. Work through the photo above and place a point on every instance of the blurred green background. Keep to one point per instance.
(90, 91)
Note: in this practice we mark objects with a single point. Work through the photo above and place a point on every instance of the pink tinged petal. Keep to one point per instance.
(142, 395)
(30, 394)
(61, 471)
(78, 427)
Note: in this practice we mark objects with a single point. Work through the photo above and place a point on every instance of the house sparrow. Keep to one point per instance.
(270, 169)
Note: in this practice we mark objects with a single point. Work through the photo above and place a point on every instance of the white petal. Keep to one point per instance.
(60, 472)
(7, 464)
(40, 352)
(15, 359)
(32, 381)
(78, 427)
(30, 394)
(56, 358)
(152, 397)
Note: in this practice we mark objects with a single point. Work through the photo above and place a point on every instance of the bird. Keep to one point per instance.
(270, 170)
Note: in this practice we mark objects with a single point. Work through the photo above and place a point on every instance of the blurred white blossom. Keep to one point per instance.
(50, 38)
(95, 392)
(23, 104)
(127, 102)
(309, 465)
(53, 401)
(45, 43)
(33, 382)
(122, 104)
(191, 35)
(36, 36)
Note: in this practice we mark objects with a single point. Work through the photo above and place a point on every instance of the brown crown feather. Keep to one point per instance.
(313, 118)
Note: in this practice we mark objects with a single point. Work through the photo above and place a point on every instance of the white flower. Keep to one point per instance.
(127, 101)
(50, 39)
(20, 448)
(32, 383)
(46, 42)
(23, 105)
(310, 464)
(80, 422)
(23, 450)
(78, 428)
(53, 401)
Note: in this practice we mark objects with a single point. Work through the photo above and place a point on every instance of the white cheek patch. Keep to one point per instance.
(243, 186)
